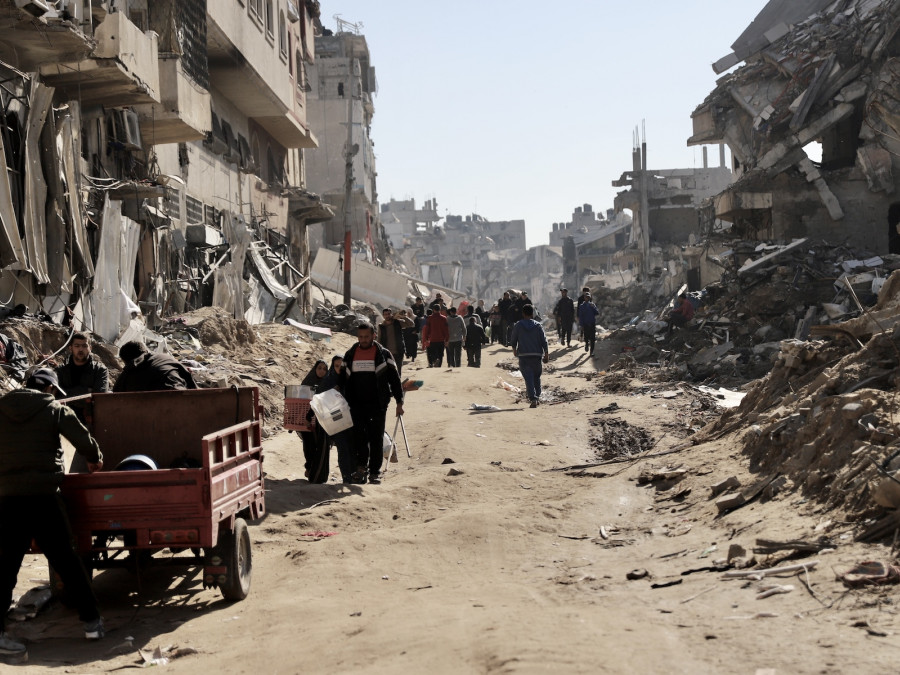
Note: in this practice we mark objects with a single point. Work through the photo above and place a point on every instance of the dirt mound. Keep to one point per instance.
(217, 328)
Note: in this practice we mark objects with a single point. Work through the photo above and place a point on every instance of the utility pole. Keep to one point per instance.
(349, 152)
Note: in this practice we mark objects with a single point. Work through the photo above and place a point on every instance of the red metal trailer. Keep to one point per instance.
(207, 444)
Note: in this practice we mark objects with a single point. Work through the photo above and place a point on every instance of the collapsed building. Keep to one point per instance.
(152, 158)
(818, 78)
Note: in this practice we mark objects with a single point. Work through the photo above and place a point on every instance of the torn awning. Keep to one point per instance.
(275, 287)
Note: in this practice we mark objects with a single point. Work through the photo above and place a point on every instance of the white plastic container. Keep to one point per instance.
(332, 411)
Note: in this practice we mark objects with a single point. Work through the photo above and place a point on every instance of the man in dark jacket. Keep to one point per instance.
(370, 380)
(150, 372)
(475, 338)
(505, 307)
(565, 316)
(587, 319)
(529, 344)
(390, 335)
(31, 470)
(81, 373)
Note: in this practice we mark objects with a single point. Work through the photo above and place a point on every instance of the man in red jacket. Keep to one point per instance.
(438, 337)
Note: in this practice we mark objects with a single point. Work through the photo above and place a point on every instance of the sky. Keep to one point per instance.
(523, 110)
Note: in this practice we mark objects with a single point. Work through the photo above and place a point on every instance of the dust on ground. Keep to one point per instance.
(507, 560)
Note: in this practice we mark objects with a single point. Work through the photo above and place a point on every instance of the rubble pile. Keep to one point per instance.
(824, 418)
(613, 437)
(219, 350)
(769, 293)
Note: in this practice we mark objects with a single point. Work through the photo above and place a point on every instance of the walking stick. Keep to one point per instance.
(393, 458)
(405, 440)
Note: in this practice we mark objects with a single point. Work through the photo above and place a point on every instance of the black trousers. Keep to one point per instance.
(317, 453)
(454, 354)
(590, 337)
(435, 353)
(565, 331)
(473, 354)
(368, 437)
(42, 518)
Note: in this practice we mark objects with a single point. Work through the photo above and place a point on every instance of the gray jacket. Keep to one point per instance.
(457, 326)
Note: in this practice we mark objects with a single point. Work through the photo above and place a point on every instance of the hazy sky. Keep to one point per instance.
(526, 109)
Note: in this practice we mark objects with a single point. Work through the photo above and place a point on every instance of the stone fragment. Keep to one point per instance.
(852, 411)
(730, 483)
(730, 501)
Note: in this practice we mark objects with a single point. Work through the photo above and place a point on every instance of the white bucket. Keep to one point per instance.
(332, 411)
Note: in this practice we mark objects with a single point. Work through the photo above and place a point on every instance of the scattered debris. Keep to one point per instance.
(870, 573)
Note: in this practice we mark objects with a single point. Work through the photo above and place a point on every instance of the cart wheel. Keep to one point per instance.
(235, 547)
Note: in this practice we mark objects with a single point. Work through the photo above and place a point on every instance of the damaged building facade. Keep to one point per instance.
(152, 158)
(342, 87)
(811, 117)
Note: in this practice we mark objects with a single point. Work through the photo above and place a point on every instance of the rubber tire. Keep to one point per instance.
(236, 553)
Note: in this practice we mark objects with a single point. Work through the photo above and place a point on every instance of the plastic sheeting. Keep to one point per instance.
(12, 250)
(114, 274)
(40, 100)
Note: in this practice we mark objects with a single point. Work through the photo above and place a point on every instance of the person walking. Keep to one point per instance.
(315, 442)
(31, 470)
(410, 334)
(529, 344)
(587, 319)
(505, 307)
(494, 320)
(343, 440)
(81, 373)
(390, 335)
(437, 334)
(456, 327)
(370, 379)
(565, 317)
(475, 338)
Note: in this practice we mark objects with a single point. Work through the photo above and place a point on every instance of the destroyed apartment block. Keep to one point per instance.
(148, 171)
(811, 119)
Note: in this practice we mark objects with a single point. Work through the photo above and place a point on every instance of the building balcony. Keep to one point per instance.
(122, 70)
(28, 42)
(183, 115)
(247, 70)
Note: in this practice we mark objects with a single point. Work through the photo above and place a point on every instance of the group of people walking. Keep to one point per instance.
(368, 376)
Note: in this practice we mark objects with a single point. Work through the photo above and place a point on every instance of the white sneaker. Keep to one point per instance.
(94, 630)
(9, 646)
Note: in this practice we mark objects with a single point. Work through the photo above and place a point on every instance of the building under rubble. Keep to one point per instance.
(152, 157)
(812, 119)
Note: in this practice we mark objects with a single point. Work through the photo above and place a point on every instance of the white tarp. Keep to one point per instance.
(39, 102)
(229, 278)
(12, 250)
(113, 277)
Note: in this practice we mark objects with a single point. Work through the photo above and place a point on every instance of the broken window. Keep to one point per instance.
(282, 34)
(341, 89)
(840, 142)
(193, 209)
(893, 222)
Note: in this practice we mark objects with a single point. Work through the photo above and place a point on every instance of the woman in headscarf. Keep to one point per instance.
(315, 443)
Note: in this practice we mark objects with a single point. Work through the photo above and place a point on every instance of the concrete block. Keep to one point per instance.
(730, 483)
(730, 501)
(852, 411)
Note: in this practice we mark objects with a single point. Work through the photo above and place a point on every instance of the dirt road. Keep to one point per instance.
(502, 567)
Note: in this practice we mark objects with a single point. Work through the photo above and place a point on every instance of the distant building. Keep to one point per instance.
(342, 86)
(402, 220)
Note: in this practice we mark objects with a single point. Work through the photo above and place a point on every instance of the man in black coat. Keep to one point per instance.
(150, 372)
(370, 380)
(565, 317)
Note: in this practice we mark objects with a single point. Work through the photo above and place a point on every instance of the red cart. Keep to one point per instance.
(207, 444)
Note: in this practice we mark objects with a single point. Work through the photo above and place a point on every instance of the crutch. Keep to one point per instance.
(393, 458)
(403, 429)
